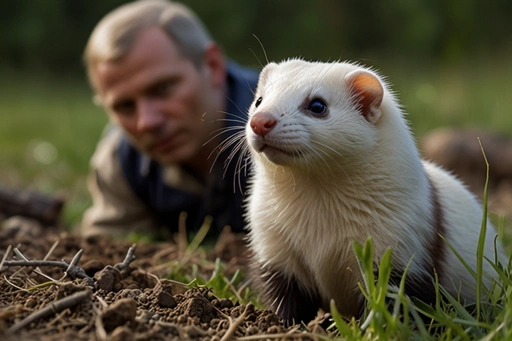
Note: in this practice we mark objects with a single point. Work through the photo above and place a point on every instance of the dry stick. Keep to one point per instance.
(76, 259)
(54, 263)
(53, 308)
(19, 270)
(234, 325)
(101, 333)
(101, 300)
(291, 334)
(15, 286)
(130, 257)
(57, 318)
(5, 256)
(288, 336)
(70, 269)
(36, 270)
(73, 271)
(54, 246)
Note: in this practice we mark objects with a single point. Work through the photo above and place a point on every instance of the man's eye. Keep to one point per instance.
(162, 89)
(124, 108)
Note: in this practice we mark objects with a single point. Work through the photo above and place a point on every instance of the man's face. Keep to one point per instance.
(167, 105)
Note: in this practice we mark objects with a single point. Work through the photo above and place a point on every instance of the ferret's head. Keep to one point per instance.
(312, 114)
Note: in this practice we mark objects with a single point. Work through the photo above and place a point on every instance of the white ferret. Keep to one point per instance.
(335, 162)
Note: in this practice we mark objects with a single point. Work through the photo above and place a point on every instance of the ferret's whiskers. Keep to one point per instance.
(239, 125)
(224, 144)
(239, 149)
(236, 140)
(219, 132)
(263, 49)
(236, 106)
(243, 157)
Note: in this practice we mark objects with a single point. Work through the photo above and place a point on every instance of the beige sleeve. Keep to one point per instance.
(116, 210)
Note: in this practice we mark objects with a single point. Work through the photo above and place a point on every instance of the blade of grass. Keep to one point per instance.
(343, 327)
(481, 238)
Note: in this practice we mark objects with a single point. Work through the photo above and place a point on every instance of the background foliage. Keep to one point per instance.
(52, 33)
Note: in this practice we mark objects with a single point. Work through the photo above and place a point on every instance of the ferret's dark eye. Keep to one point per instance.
(258, 102)
(317, 107)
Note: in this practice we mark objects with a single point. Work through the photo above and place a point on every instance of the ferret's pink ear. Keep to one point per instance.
(367, 91)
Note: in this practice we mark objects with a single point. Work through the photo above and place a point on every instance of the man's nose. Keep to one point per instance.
(149, 116)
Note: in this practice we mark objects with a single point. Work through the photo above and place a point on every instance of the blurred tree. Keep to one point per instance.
(51, 34)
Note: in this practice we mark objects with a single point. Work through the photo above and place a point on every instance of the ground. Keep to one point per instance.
(119, 292)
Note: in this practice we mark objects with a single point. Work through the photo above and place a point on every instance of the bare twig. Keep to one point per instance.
(54, 246)
(76, 259)
(101, 333)
(53, 263)
(130, 257)
(57, 318)
(19, 254)
(234, 325)
(36, 270)
(53, 308)
(15, 286)
(287, 336)
(7, 253)
(72, 271)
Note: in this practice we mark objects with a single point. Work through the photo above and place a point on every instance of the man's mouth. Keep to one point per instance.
(162, 144)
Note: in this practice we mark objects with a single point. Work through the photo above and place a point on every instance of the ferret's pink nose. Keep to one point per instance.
(262, 123)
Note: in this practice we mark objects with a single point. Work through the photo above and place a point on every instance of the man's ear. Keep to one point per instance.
(215, 64)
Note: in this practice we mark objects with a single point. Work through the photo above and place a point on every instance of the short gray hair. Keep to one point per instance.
(115, 34)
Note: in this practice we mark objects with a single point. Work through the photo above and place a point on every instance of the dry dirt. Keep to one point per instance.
(115, 296)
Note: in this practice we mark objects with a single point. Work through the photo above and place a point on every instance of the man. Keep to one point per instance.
(174, 100)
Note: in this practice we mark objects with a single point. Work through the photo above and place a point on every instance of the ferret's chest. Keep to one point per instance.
(317, 224)
(312, 223)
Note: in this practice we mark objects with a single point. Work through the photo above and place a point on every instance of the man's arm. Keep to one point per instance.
(116, 210)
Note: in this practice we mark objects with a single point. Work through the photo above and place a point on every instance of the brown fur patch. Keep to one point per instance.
(437, 246)
(287, 297)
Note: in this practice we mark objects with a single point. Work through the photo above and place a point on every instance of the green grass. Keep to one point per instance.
(405, 320)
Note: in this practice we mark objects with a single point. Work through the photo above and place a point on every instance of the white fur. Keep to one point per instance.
(353, 179)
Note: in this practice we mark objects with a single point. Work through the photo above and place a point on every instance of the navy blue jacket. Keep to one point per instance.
(223, 199)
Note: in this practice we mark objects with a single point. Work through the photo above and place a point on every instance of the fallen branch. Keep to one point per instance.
(36, 270)
(234, 325)
(71, 269)
(32, 204)
(130, 257)
(53, 308)
(7, 253)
